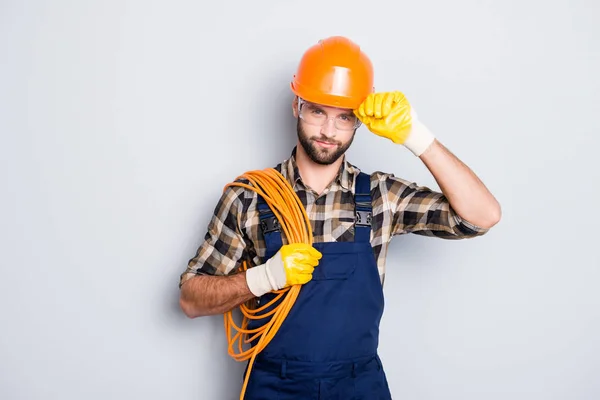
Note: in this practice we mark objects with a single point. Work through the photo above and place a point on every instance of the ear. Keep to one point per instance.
(295, 106)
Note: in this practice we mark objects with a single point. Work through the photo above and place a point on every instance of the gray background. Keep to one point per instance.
(122, 121)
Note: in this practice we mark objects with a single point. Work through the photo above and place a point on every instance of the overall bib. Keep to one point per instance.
(327, 346)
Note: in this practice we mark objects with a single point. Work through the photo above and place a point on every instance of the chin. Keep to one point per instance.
(324, 157)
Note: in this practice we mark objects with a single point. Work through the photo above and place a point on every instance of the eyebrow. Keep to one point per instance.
(313, 105)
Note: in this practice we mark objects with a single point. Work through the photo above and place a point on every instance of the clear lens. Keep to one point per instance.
(312, 114)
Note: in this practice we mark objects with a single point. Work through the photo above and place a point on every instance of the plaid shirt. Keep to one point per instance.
(399, 207)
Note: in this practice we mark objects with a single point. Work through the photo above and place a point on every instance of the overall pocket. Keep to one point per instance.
(335, 267)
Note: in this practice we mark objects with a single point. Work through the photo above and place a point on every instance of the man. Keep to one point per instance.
(327, 346)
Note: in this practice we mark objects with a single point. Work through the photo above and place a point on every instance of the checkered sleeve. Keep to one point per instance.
(224, 244)
(420, 210)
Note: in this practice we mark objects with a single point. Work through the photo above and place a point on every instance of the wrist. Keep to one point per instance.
(257, 279)
(420, 138)
(266, 277)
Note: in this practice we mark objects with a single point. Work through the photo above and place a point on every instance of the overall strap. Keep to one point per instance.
(363, 208)
(269, 225)
(271, 228)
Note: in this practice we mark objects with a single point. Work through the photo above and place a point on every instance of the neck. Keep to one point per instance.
(316, 176)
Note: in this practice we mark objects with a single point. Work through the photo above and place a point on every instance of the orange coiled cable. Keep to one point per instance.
(290, 213)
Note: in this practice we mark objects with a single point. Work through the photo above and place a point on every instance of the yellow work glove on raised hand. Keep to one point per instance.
(293, 264)
(390, 115)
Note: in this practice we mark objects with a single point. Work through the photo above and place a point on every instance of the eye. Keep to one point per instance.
(346, 117)
(316, 111)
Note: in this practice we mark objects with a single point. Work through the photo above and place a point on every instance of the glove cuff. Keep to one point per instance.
(258, 280)
(266, 277)
(420, 138)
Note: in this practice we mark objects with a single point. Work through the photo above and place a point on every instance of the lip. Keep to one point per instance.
(325, 144)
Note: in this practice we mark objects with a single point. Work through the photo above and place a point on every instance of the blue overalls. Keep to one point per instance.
(327, 346)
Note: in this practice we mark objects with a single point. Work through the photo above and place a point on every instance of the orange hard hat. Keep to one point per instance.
(334, 72)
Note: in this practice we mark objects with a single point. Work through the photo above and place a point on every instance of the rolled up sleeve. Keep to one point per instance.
(426, 212)
(224, 245)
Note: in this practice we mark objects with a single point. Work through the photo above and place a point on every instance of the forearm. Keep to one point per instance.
(467, 195)
(210, 295)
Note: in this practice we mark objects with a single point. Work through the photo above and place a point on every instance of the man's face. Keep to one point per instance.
(324, 144)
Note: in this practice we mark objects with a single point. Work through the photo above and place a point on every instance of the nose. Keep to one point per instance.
(328, 129)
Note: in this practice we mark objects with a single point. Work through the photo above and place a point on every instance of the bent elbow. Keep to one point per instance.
(495, 215)
(492, 217)
(188, 309)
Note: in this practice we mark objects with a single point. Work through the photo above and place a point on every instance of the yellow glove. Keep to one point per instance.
(390, 115)
(293, 264)
(299, 261)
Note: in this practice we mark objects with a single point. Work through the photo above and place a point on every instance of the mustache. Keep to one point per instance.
(325, 140)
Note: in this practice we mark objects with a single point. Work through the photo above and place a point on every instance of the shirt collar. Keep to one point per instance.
(345, 178)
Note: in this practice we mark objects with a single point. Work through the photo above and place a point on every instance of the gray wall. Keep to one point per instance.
(108, 181)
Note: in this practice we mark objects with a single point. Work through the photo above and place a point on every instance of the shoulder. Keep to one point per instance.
(236, 195)
(241, 191)
(388, 180)
(387, 186)
(380, 179)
